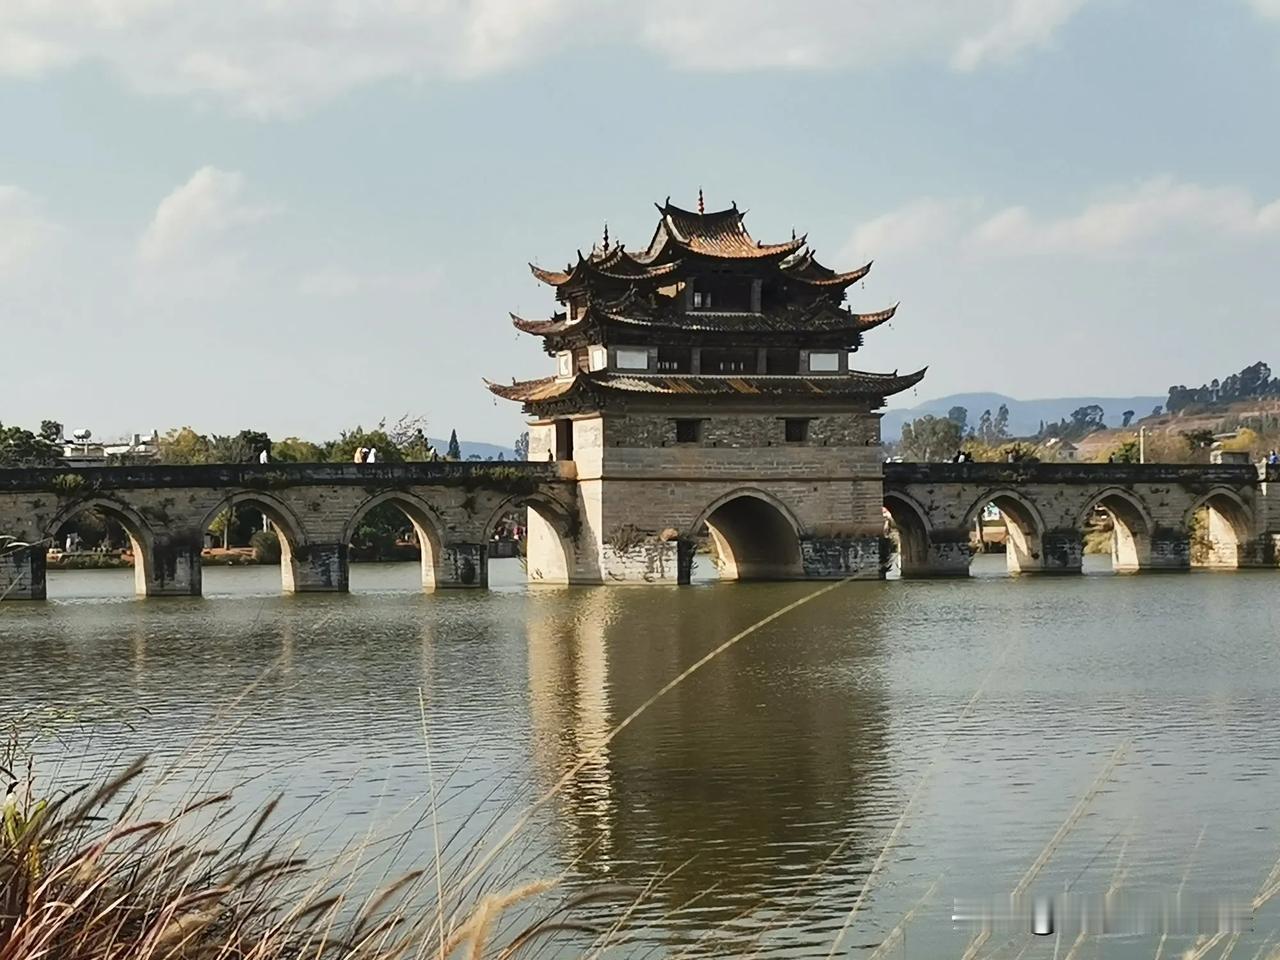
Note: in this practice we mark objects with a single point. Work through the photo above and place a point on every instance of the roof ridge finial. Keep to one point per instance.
(702, 207)
(606, 236)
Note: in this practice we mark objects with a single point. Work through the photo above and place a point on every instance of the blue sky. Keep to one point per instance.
(300, 216)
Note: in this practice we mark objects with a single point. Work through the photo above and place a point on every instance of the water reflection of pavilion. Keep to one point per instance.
(746, 777)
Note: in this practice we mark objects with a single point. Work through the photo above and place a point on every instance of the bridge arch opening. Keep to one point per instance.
(908, 531)
(535, 532)
(1117, 523)
(396, 525)
(257, 524)
(1005, 517)
(1219, 525)
(100, 533)
(752, 536)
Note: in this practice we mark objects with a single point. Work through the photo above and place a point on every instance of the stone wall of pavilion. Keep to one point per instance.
(639, 500)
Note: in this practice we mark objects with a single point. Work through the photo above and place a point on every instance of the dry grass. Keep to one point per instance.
(85, 876)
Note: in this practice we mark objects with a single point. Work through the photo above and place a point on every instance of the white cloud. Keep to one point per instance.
(1153, 210)
(918, 224)
(268, 58)
(24, 229)
(1156, 211)
(1027, 23)
(190, 220)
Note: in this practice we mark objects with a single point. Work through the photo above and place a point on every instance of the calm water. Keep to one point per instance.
(761, 789)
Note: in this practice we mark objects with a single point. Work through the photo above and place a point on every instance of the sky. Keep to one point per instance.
(301, 215)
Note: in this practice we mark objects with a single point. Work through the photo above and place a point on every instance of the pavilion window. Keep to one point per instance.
(728, 361)
(796, 429)
(688, 431)
(564, 439)
(631, 359)
(782, 362)
(674, 359)
(824, 362)
(702, 300)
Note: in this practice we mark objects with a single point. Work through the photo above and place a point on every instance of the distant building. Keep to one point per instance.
(94, 453)
(1061, 449)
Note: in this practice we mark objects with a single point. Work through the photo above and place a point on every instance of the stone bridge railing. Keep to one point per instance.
(315, 508)
(1165, 516)
(1023, 472)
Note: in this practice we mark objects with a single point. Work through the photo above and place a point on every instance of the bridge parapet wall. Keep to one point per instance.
(1047, 505)
(315, 508)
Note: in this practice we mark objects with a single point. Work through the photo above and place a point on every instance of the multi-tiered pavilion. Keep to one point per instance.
(704, 383)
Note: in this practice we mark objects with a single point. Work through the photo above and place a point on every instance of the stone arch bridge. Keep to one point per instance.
(454, 509)
(824, 524)
(1165, 516)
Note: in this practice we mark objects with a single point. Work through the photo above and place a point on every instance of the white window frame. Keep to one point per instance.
(827, 362)
(631, 358)
(564, 364)
(599, 358)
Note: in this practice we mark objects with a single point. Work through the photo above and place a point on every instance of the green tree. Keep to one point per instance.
(22, 448)
(294, 450)
(522, 446)
(51, 430)
(1085, 420)
(985, 431)
(1127, 418)
(1126, 452)
(929, 438)
(1198, 439)
(960, 417)
(244, 447)
(416, 446)
(184, 445)
(343, 449)
(1001, 424)
(455, 450)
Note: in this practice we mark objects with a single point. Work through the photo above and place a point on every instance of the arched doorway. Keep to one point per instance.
(750, 536)
(908, 531)
(1116, 523)
(1219, 525)
(101, 534)
(395, 526)
(1004, 519)
(257, 527)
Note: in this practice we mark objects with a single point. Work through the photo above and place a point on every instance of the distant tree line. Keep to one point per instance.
(940, 438)
(1253, 382)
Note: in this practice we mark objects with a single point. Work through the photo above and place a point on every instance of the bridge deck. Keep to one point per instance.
(1231, 474)
(268, 475)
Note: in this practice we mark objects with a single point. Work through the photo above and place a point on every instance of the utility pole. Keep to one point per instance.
(1142, 444)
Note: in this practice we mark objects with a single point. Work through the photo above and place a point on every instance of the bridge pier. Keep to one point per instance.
(22, 574)
(1170, 550)
(941, 559)
(835, 558)
(172, 569)
(463, 566)
(317, 568)
(1061, 552)
(1262, 551)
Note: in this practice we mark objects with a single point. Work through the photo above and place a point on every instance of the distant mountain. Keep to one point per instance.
(485, 450)
(1024, 415)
